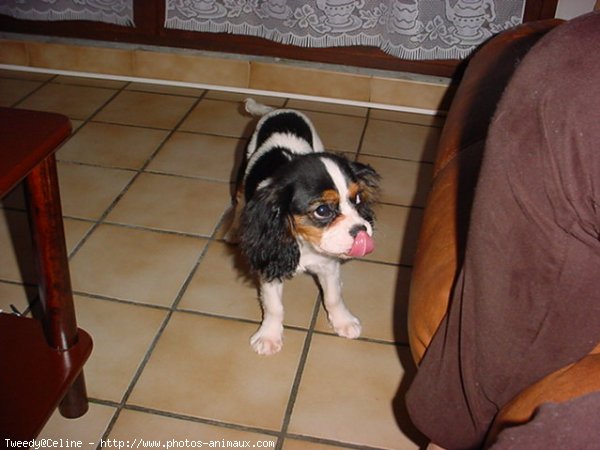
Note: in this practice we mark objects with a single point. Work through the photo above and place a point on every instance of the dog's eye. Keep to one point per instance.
(357, 199)
(323, 212)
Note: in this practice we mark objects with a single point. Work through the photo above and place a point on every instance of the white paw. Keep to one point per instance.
(348, 327)
(266, 344)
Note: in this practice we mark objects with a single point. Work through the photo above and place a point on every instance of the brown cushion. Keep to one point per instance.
(569, 382)
(441, 237)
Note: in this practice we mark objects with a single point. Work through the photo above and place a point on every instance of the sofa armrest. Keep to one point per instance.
(572, 381)
(444, 230)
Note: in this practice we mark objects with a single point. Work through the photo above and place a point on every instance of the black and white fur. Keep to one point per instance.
(299, 209)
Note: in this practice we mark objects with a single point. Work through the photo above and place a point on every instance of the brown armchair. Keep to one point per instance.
(442, 237)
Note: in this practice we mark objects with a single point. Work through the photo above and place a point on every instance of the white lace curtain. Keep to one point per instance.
(410, 29)
(118, 12)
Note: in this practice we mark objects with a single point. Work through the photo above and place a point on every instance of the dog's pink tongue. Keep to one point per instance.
(363, 244)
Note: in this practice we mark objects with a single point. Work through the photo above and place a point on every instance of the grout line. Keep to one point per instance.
(239, 90)
(195, 419)
(138, 172)
(132, 226)
(228, 425)
(299, 371)
(172, 307)
(135, 378)
(97, 222)
(43, 84)
(324, 441)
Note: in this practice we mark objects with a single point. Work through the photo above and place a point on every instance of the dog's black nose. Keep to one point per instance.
(357, 229)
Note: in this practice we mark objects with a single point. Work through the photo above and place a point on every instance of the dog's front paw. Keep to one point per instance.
(348, 327)
(266, 344)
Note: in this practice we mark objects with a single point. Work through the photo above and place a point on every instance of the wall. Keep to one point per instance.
(567, 9)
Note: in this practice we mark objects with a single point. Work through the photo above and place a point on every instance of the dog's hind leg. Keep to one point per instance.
(268, 340)
(340, 317)
(232, 235)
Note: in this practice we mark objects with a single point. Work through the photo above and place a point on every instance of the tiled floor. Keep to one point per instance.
(145, 182)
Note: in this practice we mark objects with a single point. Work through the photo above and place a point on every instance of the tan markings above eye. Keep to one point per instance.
(330, 196)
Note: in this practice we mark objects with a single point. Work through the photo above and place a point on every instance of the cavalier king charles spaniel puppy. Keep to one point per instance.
(300, 209)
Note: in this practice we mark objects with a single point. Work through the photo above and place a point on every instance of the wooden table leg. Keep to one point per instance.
(60, 325)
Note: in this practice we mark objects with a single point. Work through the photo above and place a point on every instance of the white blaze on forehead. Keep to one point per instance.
(339, 180)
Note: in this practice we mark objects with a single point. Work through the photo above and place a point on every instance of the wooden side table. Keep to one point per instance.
(40, 361)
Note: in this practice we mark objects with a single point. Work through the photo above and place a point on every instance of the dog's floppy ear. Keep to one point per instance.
(368, 178)
(368, 181)
(266, 237)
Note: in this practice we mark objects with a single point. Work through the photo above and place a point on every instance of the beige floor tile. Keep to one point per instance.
(122, 334)
(347, 392)
(402, 182)
(219, 117)
(199, 155)
(401, 116)
(17, 295)
(222, 286)
(77, 102)
(137, 265)
(86, 191)
(400, 140)
(396, 233)
(89, 81)
(146, 109)
(238, 97)
(12, 91)
(165, 89)
(331, 108)
(16, 257)
(171, 203)
(23, 75)
(133, 424)
(76, 124)
(203, 367)
(295, 444)
(112, 145)
(75, 230)
(378, 295)
(338, 133)
(87, 429)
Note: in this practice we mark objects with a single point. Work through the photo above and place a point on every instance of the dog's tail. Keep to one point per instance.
(255, 108)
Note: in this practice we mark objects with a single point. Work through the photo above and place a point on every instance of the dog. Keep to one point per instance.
(300, 209)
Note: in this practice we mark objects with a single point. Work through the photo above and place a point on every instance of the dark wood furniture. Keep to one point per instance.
(150, 18)
(41, 360)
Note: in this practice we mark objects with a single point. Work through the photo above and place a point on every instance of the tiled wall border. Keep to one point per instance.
(429, 95)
